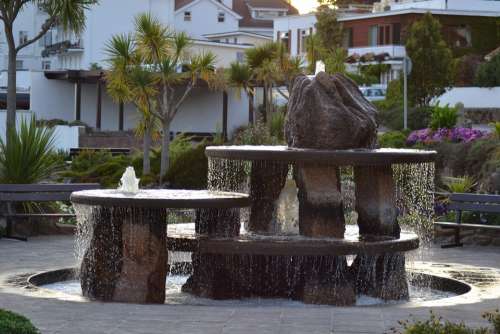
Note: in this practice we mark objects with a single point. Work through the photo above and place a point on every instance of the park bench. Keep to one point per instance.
(12, 194)
(473, 203)
(73, 152)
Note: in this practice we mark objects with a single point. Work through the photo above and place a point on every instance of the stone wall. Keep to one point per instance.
(110, 139)
(482, 115)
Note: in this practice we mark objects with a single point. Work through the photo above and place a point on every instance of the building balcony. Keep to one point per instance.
(64, 47)
(376, 53)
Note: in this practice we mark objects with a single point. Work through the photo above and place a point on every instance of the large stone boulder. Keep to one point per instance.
(329, 112)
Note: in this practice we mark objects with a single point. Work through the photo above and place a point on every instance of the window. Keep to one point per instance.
(235, 40)
(221, 17)
(396, 33)
(187, 16)
(23, 37)
(373, 36)
(46, 65)
(304, 35)
(46, 40)
(384, 34)
(19, 64)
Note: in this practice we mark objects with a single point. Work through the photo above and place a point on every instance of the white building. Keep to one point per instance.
(64, 71)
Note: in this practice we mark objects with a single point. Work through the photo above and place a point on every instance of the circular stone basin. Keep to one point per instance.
(184, 239)
(423, 287)
(162, 198)
(355, 157)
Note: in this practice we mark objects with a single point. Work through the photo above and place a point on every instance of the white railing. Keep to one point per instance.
(394, 51)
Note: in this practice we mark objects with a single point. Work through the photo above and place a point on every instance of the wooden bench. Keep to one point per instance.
(73, 152)
(11, 194)
(470, 202)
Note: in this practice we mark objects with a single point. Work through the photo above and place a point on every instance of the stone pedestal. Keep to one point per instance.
(126, 260)
(267, 179)
(218, 222)
(321, 212)
(375, 201)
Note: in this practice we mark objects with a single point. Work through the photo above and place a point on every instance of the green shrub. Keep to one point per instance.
(255, 134)
(443, 117)
(28, 156)
(437, 325)
(418, 118)
(494, 319)
(496, 129)
(277, 126)
(392, 139)
(189, 169)
(464, 184)
(363, 79)
(12, 323)
(488, 74)
(98, 167)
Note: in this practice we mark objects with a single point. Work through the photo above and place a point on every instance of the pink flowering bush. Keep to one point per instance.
(455, 135)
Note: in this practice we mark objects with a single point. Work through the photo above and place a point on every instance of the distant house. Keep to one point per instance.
(469, 26)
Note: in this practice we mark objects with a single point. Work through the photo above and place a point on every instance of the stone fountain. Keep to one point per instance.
(329, 127)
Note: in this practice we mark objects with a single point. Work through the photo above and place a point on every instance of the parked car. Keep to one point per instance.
(373, 93)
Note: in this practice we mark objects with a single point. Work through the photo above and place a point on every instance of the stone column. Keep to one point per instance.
(321, 212)
(267, 179)
(376, 201)
(126, 260)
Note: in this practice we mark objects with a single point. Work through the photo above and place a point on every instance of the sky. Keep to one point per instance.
(305, 6)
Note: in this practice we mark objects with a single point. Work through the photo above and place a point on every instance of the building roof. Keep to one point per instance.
(237, 33)
(185, 4)
(420, 11)
(242, 8)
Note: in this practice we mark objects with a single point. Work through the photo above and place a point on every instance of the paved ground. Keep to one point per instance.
(69, 317)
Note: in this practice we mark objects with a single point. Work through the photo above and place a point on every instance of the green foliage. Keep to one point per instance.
(443, 117)
(255, 134)
(488, 74)
(463, 184)
(98, 167)
(329, 30)
(189, 169)
(12, 323)
(418, 118)
(494, 319)
(362, 79)
(467, 68)
(276, 126)
(479, 159)
(433, 63)
(374, 70)
(437, 325)
(393, 139)
(394, 96)
(496, 129)
(335, 60)
(28, 155)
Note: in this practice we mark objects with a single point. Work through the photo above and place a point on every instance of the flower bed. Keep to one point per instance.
(456, 135)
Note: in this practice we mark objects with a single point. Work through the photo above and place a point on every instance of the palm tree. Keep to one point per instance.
(164, 55)
(130, 82)
(240, 76)
(69, 14)
(260, 59)
(313, 52)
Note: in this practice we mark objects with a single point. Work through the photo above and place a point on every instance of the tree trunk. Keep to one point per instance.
(11, 91)
(165, 156)
(250, 107)
(146, 163)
